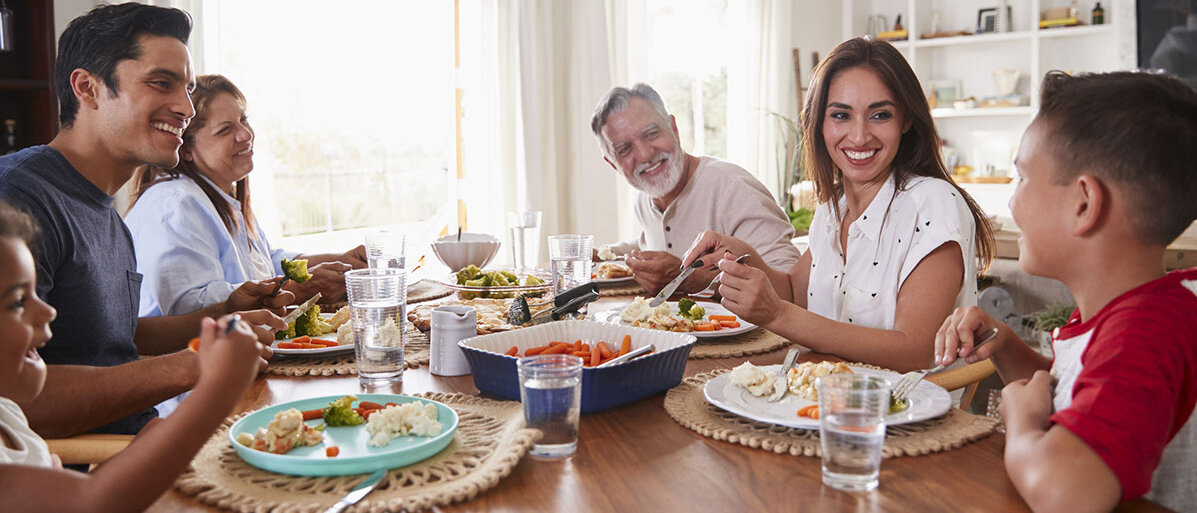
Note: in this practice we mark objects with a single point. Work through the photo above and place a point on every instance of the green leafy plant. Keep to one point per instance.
(1051, 317)
(800, 219)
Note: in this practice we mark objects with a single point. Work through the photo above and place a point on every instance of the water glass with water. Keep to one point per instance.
(551, 390)
(852, 409)
(386, 249)
(377, 308)
(570, 257)
(525, 238)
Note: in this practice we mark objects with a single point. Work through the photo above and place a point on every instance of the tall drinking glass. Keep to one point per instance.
(386, 249)
(525, 238)
(852, 409)
(377, 308)
(551, 390)
(570, 257)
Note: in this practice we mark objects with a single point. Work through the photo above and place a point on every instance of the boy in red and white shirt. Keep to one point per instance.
(1106, 182)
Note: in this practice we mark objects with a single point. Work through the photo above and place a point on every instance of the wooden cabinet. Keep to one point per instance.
(27, 73)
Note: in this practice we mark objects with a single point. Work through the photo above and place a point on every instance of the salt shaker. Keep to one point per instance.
(450, 325)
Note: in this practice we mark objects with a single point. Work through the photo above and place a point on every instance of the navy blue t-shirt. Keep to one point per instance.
(86, 268)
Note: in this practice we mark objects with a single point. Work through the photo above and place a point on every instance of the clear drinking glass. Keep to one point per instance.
(570, 257)
(852, 409)
(525, 238)
(377, 307)
(386, 249)
(551, 390)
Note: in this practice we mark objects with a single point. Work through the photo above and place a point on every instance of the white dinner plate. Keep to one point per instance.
(927, 401)
(612, 316)
(313, 352)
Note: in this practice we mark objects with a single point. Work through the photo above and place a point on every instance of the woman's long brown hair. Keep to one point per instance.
(207, 87)
(919, 149)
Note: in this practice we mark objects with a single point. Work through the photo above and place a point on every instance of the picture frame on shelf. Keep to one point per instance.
(945, 91)
(987, 20)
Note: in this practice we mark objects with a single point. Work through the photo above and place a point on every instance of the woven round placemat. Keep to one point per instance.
(630, 289)
(415, 354)
(489, 442)
(686, 404)
(757, 341)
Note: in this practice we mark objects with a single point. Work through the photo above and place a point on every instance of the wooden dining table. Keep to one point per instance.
(635, 457)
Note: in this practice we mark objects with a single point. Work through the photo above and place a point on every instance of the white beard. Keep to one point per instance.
(675, 167)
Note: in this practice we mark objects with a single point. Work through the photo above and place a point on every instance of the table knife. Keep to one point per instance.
(673, 285)
(361, 490)
(301, 309)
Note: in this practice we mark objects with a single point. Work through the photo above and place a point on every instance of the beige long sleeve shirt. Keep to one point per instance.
(723, 197)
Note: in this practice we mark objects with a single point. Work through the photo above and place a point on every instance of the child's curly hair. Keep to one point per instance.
(14, 223)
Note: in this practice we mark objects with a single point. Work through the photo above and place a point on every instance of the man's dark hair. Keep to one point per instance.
(1137, 131)
(102, 38)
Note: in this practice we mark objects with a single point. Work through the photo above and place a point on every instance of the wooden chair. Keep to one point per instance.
(967, 377)
(88, 448)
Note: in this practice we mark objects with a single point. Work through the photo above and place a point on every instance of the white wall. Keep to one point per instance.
(67, 10)
(817, 28)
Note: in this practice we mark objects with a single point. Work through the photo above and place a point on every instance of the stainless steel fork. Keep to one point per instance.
(911, 379)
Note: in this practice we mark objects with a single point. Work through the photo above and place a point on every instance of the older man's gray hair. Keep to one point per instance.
(617, 100)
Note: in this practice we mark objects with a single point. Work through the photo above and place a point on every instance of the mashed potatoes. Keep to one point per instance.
(639, 314)
(412, 418)
(802, 377)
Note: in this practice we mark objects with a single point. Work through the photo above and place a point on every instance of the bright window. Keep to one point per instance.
(352, 108)
(688, 49)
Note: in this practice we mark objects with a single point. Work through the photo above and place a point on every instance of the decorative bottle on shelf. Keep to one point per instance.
(1073, 10)
(1001, 22)
(9, 144)
(1099, 14)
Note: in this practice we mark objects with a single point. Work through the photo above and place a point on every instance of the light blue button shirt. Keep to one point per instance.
(188, 257)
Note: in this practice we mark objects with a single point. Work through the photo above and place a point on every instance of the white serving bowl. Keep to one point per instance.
(473, 248)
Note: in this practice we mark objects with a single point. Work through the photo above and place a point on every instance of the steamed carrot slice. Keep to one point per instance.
(704, 326)
(582, 354)
(312, 414)
(595, 355)
(729, 324)
(325, 343)
(561, 349)
(369, 405)
(603, 350)
(536, 350)
(714, 317)
(805, 411)
(332, 451)
(289, 345)
(578, 345)
(308, 345)
(302, 340)
(367, 413)
(514, 351)
(193, 345)
(626, 346)
(585, 347)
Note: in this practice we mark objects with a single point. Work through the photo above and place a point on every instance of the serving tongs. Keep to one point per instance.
(565, 303)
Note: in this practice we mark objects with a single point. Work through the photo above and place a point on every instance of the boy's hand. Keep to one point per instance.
(957, 335)
(253, 295)
(230, 359)
(1026, 403)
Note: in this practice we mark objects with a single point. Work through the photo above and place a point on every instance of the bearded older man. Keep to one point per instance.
(681, 194)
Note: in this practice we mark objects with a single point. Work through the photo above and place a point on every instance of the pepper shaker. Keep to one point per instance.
(451, 324)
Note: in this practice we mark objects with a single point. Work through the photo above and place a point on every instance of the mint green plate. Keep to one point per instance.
(356, 457)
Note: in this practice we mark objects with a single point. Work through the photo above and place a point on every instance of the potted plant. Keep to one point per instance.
(797, 194)
(1045, 321)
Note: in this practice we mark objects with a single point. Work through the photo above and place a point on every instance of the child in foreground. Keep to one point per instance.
(31, 479)
(1106, 182)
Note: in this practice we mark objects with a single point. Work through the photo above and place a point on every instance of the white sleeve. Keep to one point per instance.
(179, 255)
(942, 216)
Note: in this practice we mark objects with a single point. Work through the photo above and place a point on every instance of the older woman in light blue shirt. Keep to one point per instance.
(194, 232)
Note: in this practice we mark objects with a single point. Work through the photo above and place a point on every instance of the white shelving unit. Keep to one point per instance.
(988, 136)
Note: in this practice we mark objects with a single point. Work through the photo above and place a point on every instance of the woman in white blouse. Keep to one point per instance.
(894, 244)
(193, 229)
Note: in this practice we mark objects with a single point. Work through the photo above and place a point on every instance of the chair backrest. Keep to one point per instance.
(89, 448)
(967, 377)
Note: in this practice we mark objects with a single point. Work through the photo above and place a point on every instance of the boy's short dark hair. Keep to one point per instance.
(102, 38)
(14, 223)
(1136, 129)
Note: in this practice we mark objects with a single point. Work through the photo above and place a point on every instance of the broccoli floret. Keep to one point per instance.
(469, 273)
(533, 280)
(696, 313)
(340, 413)
(296, 270)
(311, 324)
(684, 305)
(511, 277)
(287, 333)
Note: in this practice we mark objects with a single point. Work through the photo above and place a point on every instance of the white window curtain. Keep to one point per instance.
(760, 84)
